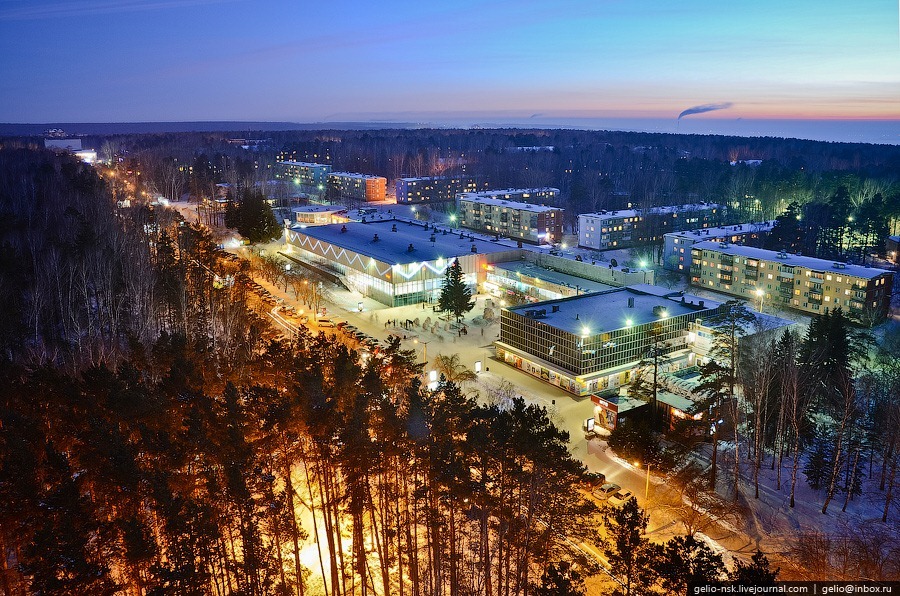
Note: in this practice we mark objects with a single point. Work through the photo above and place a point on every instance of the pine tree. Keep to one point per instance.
(816, 468)
(456, 296)
(560, 579)
(720, 376)
(629, 552)
(756, 573)
(686, 560)
(253, 218)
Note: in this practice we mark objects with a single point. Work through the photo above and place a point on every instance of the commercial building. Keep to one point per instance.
(394, 262)
(677, 245)
(802, 283)
(633, 227)
(433, 189)
(590, 343)
(520, 280)
(356, 187)
(319, 215)
(309, 177)
(506, 213)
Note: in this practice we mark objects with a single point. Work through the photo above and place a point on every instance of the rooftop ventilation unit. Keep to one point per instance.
(839, 265)
(375, 239)
(782, 255)
(410, 248)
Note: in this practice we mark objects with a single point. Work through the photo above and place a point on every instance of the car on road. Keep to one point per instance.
(620, 498)
(592, 480)
(325, 323)
(606, 490)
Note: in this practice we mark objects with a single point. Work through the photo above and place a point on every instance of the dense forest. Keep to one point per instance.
(756, 177)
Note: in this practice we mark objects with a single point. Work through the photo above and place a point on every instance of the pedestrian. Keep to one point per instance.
(459, 332)
(482, 332)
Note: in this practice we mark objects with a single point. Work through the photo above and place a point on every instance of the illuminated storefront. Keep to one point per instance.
(394, 262)
(591, 343)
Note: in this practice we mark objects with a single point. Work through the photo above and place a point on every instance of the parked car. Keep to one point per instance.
(593, 480)
(325, 323)
(606, 490)
(620, 498)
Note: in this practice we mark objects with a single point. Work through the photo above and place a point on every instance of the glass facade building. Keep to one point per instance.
(592, 342)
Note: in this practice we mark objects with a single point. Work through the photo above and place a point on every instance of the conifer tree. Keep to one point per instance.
(456, 296)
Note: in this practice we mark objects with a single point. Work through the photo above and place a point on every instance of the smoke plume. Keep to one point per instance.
(710, 107)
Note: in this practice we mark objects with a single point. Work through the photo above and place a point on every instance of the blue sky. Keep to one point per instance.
(129, 60)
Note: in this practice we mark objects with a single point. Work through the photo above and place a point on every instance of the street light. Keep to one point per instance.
(760, 294)
(637, 465)
(424, 349)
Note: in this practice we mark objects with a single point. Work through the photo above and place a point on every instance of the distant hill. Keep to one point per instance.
(112, 128)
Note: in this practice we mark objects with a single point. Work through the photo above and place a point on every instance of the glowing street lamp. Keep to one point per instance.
(760, 294)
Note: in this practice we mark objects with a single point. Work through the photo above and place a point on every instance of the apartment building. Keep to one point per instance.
(802, 283)
(499, 212)
(310, 176)
(633, 227)
(433, 189)
(356, 187)
(677, 245)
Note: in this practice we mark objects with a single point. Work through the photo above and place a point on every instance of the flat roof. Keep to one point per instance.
(304, 164)
(318, 209)
(494, 198)
(509, 191)
(432, 178)
(557, 277)
(393, 247)
(791, 259)
(652, 210)
(723, 231)
(682, 208)
(679, 402)
(612, 214)
(608, 311)
(355, 175)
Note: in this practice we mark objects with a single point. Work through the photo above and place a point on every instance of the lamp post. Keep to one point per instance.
(424, 350)
(637, 465)
(760, 294)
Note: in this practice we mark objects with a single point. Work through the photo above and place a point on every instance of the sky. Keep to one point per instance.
(419, 60)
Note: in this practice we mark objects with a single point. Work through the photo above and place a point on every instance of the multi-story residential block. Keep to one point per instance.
(433, 189)
(504, 213)
(677, 245)
(632, 227)
(782, 279)
(356, 187)
(308, 176)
